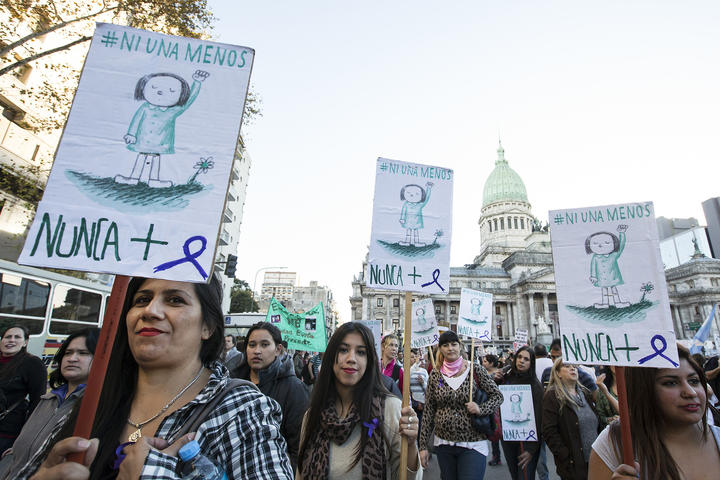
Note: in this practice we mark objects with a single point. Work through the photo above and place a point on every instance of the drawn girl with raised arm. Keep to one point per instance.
(411, 217)
(606, 248)
(152, 130)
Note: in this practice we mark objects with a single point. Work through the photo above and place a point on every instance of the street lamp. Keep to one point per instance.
(256, 275)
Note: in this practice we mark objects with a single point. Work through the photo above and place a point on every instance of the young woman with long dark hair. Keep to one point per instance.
(522, 457)
(460, 448)
(67, 381)
(670, 433)
(164, 369)
(353, 427)
(275, 377)
(21, 375)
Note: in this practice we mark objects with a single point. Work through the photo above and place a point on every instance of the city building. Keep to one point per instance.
(306, 297)
(279, 285)
(515, 265)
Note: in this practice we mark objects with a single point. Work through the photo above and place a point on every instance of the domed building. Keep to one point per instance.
(515, 265)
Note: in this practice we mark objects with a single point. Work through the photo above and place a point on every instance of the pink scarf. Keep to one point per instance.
(451, 368)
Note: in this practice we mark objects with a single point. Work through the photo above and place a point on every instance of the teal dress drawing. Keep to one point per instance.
(604, 268)
(411, 215)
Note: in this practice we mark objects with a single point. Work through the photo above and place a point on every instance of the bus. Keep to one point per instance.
(50, 305)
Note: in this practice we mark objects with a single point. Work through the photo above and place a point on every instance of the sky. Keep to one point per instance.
(596, 103)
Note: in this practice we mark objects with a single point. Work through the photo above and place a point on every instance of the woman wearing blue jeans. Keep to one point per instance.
(461, 450)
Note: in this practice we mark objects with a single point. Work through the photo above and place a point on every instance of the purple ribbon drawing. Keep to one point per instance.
(435, 275)
(371, 426)
(531, 435)
(119, 455)
(658, 351)
(189, 257)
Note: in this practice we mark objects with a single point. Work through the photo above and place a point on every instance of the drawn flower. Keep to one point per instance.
(202, 166)
(646, 288)
(438, 234)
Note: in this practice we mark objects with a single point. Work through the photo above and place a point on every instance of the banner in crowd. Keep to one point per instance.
(411, 228)
(612, 297)
(424, 326)
(302, 331)
(149, 143)
(375, 327)
(476, 314)
(518, 414)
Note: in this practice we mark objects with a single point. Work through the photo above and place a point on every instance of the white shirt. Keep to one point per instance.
(540, 365)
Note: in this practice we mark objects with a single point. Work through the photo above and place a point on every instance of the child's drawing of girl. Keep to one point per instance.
(606, 248)
(152, 130)
(411, 218)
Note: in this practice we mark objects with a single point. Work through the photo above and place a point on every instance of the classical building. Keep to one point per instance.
(515, 265)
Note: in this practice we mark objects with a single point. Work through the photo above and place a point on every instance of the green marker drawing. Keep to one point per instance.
(411, 218)
(605, 273)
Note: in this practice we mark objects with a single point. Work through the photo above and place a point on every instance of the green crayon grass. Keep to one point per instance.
(410, 251)
(634, 313)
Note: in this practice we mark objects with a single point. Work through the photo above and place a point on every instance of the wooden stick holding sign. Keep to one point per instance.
(628, 455)
(89, 401)
(407, 338)
(472, 362)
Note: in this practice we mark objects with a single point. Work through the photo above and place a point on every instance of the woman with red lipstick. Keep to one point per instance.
(275, 377)
(21, 376)
(353, 427)
(671, 437)
(569, 421)
(164, 375)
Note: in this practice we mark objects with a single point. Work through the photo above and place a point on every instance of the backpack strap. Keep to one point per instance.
(396, 371)
(203, 412)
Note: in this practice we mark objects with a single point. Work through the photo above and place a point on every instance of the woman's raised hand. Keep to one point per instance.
(55, 467)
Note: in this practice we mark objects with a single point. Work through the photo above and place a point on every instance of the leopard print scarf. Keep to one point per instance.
(336, 430)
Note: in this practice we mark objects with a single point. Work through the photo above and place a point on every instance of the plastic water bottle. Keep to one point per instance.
(198, 466)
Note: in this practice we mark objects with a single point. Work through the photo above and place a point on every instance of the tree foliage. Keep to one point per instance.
(241, 298)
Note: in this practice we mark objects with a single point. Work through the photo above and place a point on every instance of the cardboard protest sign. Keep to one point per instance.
(141, 173)
(612, 297)
(518, 414)
(424, 326)
(302, 331)
(411, 229)
(476, 313)
(375, 327)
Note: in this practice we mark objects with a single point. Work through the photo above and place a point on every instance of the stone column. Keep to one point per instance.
(447, 311)
(531, 330)
(365, 310)
(388, 309)
(546, 308)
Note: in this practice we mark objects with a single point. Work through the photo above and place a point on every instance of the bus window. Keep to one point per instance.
(26, 297)
(73, 309)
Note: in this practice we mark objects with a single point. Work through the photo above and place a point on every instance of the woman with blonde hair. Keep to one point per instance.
(570, 421)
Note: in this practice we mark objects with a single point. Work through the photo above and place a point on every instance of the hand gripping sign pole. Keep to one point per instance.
(89, 401)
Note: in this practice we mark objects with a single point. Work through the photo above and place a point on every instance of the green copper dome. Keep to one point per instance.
(503, 184)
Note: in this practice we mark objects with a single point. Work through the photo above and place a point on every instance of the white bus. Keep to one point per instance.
(50, 305)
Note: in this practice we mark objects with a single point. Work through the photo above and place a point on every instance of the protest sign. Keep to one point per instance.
(141, 173)
(302, 331)
(411, 229)
(476, 312)
(424, 326)
(518, 414)
(375, 327)
(612, 297)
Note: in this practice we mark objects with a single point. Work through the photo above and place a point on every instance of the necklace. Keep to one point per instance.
(133, 437)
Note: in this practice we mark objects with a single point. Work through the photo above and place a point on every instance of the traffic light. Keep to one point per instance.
(231, 266)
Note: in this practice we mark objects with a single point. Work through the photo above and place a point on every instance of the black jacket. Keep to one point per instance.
(513, 378)
(278, 381)
(28, 379)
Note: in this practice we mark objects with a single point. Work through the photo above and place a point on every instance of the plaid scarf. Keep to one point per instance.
(337, 430)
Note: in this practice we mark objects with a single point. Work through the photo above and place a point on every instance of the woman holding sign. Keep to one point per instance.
(164, 376)
(671, 436)
(522, 457)
(570, 422)
(353, 427)
(461, 450)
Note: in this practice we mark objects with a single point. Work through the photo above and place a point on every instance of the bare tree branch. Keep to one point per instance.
(31, 58)
(11, 46)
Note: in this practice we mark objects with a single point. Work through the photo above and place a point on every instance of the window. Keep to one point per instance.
(379, 302)
(453, 309)
(490, 225)
(691, 283)
(437, 310)
(516, 225)
(497, 309)
(713, 281)
(522, 223)
(73, 309)
(26, 297)
(502, 224)
(495, 222)
(396, 302)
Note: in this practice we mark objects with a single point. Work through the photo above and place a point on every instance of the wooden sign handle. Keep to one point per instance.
(472, 363)
(407, 338)
(89, 401)
(626, 434)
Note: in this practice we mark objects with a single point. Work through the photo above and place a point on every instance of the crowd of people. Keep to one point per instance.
(259, 411)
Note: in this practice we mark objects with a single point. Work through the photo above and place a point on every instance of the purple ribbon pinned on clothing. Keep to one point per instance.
(371, 426)
(119, 455)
